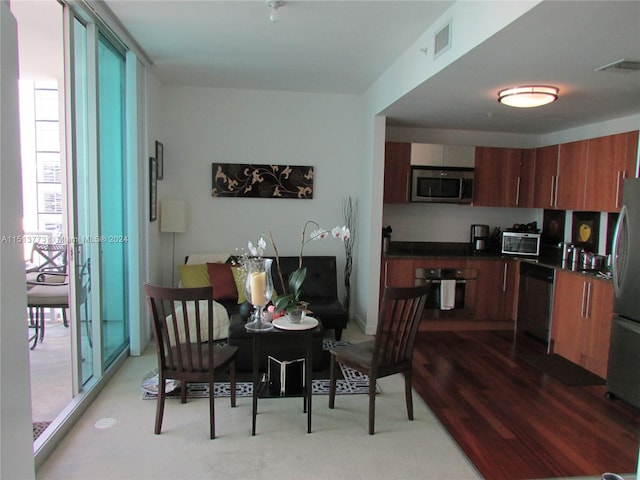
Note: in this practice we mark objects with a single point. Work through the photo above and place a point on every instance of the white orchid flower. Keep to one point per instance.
(319, 234)
(341, 232)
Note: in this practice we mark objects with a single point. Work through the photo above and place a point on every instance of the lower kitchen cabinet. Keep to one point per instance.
(497, 285)
(398, 272)
(582, 314)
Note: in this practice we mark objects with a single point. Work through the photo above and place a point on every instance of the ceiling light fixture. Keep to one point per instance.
(274, 16)
(528, 96)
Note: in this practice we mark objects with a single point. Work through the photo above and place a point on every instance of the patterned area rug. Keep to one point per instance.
(351, 383)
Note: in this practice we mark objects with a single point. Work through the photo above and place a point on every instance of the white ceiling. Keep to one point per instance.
(344, 46)
(316, 46)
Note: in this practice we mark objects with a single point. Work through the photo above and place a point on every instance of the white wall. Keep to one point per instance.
(204, 125)
(16, 435)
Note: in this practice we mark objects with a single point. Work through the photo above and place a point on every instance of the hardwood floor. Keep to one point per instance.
(514, 422)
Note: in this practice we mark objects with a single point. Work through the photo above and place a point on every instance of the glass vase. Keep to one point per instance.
(259, 289)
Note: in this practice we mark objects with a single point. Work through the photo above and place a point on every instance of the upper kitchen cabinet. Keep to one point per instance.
(546, 173)
(611, 159)
(503, 177)
(397, 171)
(585, 175)
(436, 155)
(572, 174)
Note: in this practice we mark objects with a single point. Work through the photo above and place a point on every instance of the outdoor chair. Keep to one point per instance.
(391, 350)
(47, 285)
(184, 332)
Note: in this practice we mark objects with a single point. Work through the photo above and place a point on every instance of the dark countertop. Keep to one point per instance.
(550, 256)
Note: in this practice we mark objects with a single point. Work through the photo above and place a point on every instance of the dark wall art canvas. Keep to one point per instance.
(262, 181)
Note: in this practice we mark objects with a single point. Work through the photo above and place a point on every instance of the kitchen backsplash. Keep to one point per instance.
(451, 223)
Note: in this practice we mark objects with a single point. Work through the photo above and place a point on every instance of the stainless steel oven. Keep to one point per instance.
(453, 292)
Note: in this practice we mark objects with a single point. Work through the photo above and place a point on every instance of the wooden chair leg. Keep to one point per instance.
(372, 404)
(159, 407)
(183, 392)
(212, 411)
(407, 393)
(332, 381)
(232, 378)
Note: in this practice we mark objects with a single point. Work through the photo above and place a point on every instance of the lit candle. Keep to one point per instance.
(258, 288)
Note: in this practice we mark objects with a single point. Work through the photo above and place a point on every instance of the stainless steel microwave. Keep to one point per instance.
(520, 243)
(442, 184)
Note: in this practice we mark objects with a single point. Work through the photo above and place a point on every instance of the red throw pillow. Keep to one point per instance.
(224, 286)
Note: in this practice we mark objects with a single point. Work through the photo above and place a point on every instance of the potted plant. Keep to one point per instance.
(290, 302)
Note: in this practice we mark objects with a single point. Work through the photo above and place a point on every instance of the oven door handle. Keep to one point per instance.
(439, 280)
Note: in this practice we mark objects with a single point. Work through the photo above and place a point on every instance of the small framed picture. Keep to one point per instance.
(160, 159)
(586, 229)
(153, 189)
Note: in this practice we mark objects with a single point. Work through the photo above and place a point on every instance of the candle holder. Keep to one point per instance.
(259, 289)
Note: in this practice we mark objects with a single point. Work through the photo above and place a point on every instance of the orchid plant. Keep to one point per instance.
(293, 290)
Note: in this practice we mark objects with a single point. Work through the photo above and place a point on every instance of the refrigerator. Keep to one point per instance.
(623, 375)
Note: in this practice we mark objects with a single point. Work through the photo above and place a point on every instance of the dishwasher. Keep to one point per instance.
(535, 303)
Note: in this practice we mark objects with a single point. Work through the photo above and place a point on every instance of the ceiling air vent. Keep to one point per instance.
(622, 66)
(442, 40)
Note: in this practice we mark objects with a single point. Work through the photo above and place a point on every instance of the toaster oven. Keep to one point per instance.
(521, 243)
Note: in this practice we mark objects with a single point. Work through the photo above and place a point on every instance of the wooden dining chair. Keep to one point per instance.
(391, 350)
(183, 327)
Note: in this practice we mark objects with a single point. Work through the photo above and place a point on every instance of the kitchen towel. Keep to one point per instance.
(447, 294)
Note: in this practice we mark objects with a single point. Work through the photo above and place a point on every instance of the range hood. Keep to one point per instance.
(436, 155)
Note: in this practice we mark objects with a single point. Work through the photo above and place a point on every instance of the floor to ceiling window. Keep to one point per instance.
(113, 201)
(99, 171)
(87, 176)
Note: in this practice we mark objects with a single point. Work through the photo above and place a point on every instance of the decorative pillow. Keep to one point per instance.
(239, 278)
(195, 275)
(221, 277)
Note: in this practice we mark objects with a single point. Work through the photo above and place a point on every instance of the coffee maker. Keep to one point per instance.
(479, 238)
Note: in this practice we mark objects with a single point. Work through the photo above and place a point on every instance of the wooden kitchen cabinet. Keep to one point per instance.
(546, 171)
(497, 284)
(503, 177)
(586, 175)
(611, 159)
(397, 172)
(572, 174)
(581, 325)
(398, 272)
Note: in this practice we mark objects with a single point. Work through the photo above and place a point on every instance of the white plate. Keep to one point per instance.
(284, 323)
(150, 385)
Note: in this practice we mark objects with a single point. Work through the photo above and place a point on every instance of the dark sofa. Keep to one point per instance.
(319, 290)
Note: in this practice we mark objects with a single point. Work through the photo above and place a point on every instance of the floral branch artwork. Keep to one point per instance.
(262, 181)
(350, 214)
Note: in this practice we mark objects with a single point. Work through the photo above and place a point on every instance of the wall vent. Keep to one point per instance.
(442, 40)
(622, 66)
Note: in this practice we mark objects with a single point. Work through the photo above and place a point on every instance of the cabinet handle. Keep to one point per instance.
(621, 176)
(555, 191)
(386, 268)
(584, 303)
(588, 306)
(518, 192)
(553, 185)
(407, 186)
(504, 278)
